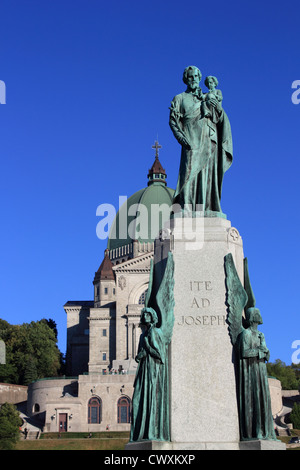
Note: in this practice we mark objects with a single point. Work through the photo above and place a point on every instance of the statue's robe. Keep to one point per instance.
(150, 401)
(256, 421)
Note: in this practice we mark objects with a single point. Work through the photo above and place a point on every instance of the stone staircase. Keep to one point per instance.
(31, 435)
(283, 431)
(30, 429)
(282, 427)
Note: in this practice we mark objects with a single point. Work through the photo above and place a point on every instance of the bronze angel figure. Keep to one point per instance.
(150, 402)
(254, 401)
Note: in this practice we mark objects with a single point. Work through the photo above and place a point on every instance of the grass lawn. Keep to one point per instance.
(76, 441)
(286, 439)
(100, 441)
(72, 444)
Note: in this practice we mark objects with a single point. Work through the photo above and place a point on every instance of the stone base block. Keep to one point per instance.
(260, 444)
(190, 446)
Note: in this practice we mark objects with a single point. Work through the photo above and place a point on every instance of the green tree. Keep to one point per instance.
(296, 369)
(10, 423)
(295, 416)
(52, 324)
(30, 373)
(288, 375)
(30, 342)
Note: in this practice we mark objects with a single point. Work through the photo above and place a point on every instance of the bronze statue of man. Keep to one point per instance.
(202, 128)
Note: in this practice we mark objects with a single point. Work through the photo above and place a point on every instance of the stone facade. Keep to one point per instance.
(102, 343)
(69, 401)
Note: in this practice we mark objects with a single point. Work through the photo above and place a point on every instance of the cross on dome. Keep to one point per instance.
(156, 146)
(157, 173)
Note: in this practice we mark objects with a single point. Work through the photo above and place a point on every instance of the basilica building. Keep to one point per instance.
(103, 333)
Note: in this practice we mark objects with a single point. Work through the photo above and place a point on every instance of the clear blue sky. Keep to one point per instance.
(88, 86)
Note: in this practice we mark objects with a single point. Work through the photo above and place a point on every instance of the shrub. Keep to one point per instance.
(295, 416)
(10, 422)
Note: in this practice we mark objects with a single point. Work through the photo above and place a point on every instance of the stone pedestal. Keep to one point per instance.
(203, 400)
(204, 411)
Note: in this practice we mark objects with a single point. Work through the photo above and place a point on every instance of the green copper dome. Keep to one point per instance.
(145, 212)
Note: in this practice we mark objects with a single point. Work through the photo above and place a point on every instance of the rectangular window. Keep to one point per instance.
(105, 290)
(124, 413)
(103, 356)
(104, 332)
(94, 415)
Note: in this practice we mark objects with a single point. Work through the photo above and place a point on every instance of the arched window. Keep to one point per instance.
(36, 408)
(143, 297)
(124, 410)
(94, 410)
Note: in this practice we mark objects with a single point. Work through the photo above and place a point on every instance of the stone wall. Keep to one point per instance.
(276, 395)
(12, 393)
(290, 393)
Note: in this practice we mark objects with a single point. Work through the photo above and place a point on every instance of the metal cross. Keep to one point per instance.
(156, 146)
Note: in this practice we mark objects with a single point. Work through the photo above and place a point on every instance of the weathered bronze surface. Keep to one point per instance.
(202, 128)
(254, 401)
(150, 402)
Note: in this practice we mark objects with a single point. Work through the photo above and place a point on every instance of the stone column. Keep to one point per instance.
(129, 336)
(2, 352)
(204, 413)
(134, 352)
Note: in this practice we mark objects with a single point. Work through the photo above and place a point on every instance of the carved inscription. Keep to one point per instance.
(202, 320)
(200, 290)
(200, 303)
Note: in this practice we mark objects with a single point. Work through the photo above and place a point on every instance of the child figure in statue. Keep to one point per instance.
(212, 82)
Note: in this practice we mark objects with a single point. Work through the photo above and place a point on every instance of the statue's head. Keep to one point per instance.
(253, 316)
(191, 76)
(211, 81)
(148, 316)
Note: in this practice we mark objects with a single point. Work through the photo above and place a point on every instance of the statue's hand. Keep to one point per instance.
(215, 103)
(185, 143)
(264, 354)
(140, 355)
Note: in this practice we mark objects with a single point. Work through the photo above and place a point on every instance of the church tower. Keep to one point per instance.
(104, 283)
(157, 173)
